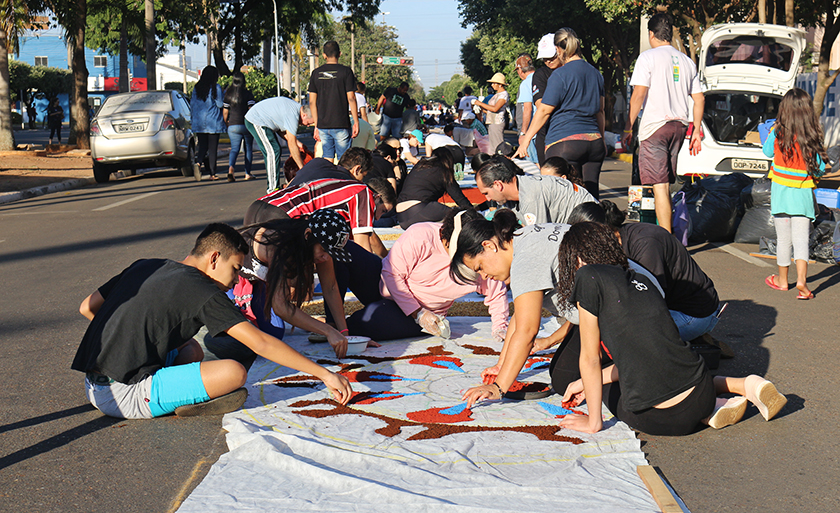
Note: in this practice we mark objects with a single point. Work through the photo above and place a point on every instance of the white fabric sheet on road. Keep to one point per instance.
(410, 444)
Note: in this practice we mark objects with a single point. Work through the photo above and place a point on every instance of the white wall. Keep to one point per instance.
(831, 112)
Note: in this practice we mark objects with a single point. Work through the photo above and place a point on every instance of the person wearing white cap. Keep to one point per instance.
(525, 102)
(496, 110)
(548, 53)
(574, 102)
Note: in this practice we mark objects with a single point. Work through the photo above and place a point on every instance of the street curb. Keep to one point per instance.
(34, 192)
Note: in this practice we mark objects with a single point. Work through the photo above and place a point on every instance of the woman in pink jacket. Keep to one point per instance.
(417, 289)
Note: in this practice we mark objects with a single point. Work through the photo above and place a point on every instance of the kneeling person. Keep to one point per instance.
(138, 353)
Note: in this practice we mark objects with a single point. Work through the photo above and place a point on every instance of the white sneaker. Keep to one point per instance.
(764, 396)
(728, 412)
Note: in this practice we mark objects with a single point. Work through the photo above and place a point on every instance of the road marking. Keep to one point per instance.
(123, 202)
(3, 214)
(740, 254)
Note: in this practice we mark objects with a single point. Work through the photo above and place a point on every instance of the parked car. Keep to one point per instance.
(745, 69)
(142, 129)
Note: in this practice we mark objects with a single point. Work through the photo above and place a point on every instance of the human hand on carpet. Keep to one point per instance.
(480, 392)
(338, 342)
(574, 394)
(488, 375)
(428, 321)
(339, 386)
(541, 344)
(499, 334)
(582, 423)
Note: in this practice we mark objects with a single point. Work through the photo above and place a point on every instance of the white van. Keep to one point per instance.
(745, 69)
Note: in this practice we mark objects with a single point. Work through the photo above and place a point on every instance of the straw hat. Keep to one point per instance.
(498, 78)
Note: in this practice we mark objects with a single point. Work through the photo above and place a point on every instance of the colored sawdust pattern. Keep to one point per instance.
(450, 415)
(439, 362)
(528, 387)
(481, 350)
(394, 427)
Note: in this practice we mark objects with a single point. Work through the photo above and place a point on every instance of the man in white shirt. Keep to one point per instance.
(667, 77)
(466, 102)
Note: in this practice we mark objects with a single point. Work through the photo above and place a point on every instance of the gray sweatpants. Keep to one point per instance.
(795, 231)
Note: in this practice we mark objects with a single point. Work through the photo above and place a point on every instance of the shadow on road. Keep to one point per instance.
(58, 440)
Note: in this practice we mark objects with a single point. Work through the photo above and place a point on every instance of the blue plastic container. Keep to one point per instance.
(764, 129)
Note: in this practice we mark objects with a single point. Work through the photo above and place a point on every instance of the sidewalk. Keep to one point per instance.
(26, 174)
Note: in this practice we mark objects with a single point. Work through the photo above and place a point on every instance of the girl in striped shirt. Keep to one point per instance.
(796, 145)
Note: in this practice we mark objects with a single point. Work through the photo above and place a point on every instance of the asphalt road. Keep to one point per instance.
(57, 453)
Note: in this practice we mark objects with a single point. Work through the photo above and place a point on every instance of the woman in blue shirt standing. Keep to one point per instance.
(574, 100)
(206, 103)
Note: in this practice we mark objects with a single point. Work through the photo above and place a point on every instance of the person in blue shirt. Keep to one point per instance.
(206, 103)
(574, 100)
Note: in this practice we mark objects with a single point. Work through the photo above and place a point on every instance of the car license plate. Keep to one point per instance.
(133, 127)
(750, 165)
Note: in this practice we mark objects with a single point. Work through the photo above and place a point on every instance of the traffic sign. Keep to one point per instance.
(395, 61)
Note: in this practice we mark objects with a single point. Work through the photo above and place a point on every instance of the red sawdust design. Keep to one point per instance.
(431, 361)
(488, 351)
(370, 397)
(528, 386)
(434, 416)
(394, 426)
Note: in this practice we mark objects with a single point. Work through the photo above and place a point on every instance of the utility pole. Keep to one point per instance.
(363, 68)
(436, 73)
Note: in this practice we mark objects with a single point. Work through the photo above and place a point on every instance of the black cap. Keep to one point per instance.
(332, 232)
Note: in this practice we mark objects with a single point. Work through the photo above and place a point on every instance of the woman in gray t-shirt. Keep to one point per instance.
(525, 259)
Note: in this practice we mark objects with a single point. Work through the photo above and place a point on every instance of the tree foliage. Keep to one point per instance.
(371, 41)
(261, 84)
(491, 50)
(37, 83)
(447, 92)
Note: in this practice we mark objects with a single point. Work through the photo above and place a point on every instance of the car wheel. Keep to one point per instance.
(101, 172)
(186, 166)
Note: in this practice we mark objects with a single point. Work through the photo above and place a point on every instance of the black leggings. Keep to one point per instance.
(680, 419)
(586, 156)
(55, 130)
(208, 147)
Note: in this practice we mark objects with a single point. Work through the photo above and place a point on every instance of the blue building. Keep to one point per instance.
(49, 48)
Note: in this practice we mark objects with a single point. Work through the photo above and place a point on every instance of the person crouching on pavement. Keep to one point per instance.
(138, 354)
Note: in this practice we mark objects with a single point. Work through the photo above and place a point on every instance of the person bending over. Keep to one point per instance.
(417, 290)
(425, 185)
(138, 354)
(657, 385)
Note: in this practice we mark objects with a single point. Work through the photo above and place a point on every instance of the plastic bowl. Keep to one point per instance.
(356, 345)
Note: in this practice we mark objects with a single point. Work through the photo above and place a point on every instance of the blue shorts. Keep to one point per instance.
(176, 386)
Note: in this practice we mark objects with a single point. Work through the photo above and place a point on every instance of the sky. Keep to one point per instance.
(428, 29)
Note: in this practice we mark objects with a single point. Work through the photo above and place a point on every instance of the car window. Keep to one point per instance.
(750, 50)
(139, 101)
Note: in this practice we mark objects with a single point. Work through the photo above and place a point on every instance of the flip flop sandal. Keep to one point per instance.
(528, 390)
(771, 282)
(805, 297)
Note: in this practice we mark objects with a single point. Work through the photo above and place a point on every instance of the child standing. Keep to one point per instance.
(796, 145)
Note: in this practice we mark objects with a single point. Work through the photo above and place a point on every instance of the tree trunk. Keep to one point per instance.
(237, 42)
(287, 68)
(7, 136)
(266, 56)
(124, 83)
(762, 11)
(824, 76)
(151, 44)
(80, 131)
(789, 21)
(216, 44)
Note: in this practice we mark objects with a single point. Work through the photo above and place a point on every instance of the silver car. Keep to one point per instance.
(142, 129)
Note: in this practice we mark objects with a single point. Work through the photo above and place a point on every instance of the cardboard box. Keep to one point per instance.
(751, 138)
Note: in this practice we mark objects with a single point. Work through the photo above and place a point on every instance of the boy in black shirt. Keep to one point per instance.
(138, 353)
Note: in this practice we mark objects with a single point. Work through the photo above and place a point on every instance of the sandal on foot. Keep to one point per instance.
(771, 282)
(250, 177)
(223, 404)
(809, 295)
(214, 177)
(728, 412)
(231, 178)
(764, 396)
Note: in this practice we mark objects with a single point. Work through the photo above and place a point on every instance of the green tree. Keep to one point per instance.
(447, 92)
(261, 84)
(37, 82)
(15, 16)
(491, 50)
(371, 41)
